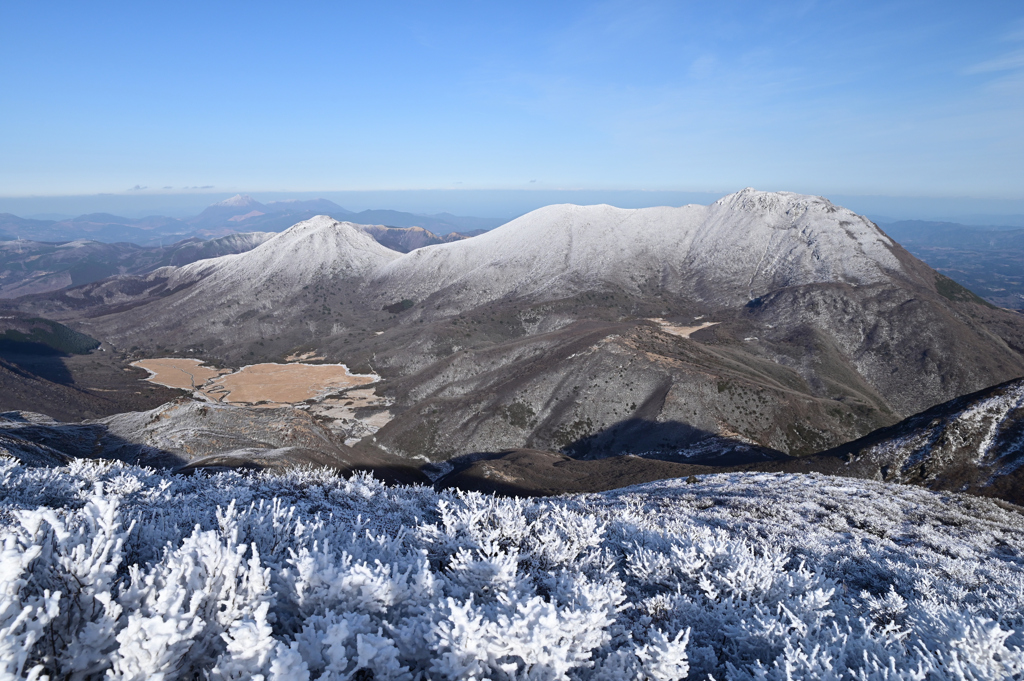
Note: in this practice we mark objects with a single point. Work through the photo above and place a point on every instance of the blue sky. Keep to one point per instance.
(911, 98)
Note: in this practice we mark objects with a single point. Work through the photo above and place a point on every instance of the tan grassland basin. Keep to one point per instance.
(270, 384)
(187, 374)
(676, 330)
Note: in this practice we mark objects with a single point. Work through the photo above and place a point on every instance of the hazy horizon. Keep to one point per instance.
(503, 204)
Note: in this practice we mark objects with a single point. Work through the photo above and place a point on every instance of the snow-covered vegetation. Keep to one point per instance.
(126, 573)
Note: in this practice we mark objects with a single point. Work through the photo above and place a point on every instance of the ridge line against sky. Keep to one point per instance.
(505, 204)
(907, 98)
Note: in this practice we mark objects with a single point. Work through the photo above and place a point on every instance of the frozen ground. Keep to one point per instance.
(120, 571)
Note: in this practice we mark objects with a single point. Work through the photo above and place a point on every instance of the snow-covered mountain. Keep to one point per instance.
(820, 327)
(318, 249)
(269, 292)
(742, 246)
(239, 201)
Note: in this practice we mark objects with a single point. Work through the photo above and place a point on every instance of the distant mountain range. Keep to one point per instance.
(237, 214)
(28, 267)
(987, 260)
(764, 324)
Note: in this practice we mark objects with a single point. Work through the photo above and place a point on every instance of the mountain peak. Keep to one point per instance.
(312, 249)
(238, 201)
(765, 203)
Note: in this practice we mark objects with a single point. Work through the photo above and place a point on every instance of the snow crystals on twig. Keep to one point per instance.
(112, 571)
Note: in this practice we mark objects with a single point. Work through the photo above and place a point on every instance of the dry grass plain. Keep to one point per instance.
(263, 384)
(173, 372)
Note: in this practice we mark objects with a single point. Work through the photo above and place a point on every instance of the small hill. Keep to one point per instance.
(319, 248)
(302, 281)
(974, 443)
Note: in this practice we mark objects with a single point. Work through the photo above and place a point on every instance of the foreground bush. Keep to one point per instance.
(110, 571)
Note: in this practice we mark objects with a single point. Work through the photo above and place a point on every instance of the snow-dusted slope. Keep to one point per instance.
(974, 442)
(734, 250)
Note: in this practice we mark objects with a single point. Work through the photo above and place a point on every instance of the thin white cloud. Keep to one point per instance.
(1007, 62)
(1015, 34)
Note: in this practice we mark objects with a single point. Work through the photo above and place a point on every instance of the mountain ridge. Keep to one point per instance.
(556, 243)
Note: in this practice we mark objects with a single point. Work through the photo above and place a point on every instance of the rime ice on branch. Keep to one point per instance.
(110, 571)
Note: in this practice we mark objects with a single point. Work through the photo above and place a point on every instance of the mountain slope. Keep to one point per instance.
(185, 435)
(305, 253)
(853, 322)
(974, 443)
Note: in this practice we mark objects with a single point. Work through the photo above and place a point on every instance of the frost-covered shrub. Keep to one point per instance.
(111, 571)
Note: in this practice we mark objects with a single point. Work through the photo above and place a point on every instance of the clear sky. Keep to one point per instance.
(914, 98)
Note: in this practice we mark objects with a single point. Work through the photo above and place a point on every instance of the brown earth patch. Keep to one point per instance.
(359, 411)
